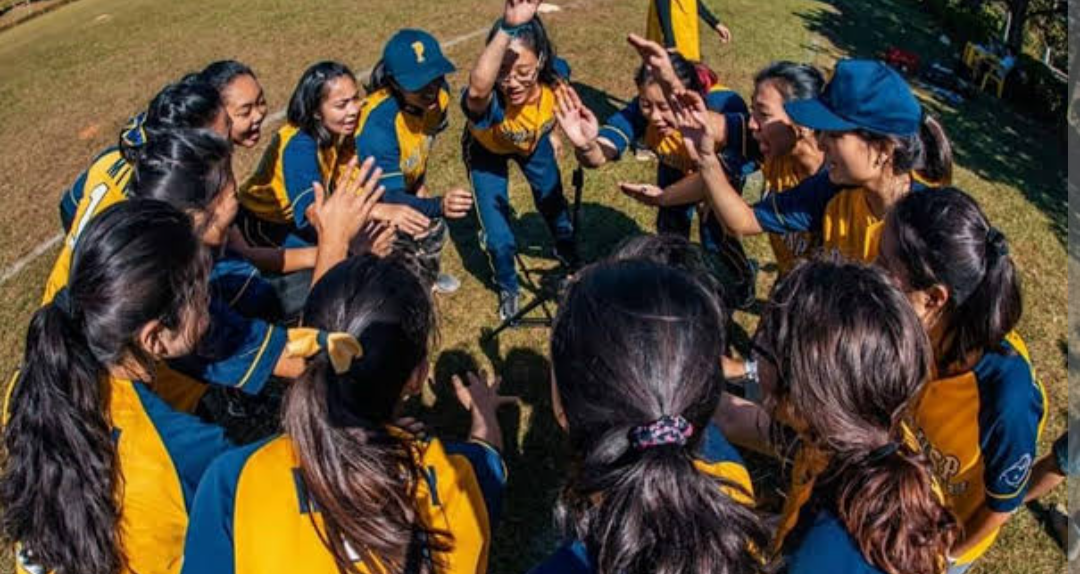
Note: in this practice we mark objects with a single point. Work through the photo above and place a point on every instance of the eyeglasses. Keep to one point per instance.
(521, 78)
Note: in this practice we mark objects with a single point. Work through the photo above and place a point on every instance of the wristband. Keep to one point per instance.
(512, 31)
(751, 368)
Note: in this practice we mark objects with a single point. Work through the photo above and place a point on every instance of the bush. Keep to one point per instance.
(1034, 89)
(963, 25)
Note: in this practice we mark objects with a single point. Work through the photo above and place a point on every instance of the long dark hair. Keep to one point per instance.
(60, 488)
(363, 479)
(688, 73)
(534, 36)
(188, 104)
(624, 358)
(944, 238)
(794, 81)
(221, 73)
(185, 168)
(928, 153)
(303, 111)
(851, 358)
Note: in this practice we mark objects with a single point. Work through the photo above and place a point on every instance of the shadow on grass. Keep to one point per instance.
(536, 467)
(600, 102)
(991, 140)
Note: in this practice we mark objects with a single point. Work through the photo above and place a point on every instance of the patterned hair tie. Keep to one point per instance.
(342, 348)
(996, 242)
(664, 431)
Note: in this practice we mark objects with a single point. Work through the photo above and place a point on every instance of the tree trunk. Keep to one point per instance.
(1015, 37)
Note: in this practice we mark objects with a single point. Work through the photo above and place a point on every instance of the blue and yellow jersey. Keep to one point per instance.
(401, 143)
(109, 173)
(252, 513)
(780, 176)
(840, 216)
(162, 455)
(980, 429)
(825, 545)
(515, 130)
(630, 125)
(280, 189)
(103, 184)
(674, 24)
(716, 457)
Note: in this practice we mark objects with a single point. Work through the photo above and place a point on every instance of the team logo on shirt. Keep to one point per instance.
(1017, 474)
(946, 466)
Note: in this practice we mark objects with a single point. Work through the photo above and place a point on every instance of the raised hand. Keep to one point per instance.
(456, 203)
(376, 238)
(340, 217)
(699, 131)
(479, 394)
(657, 62)
(518, 12)
(643, 192)
(402, 217)
(577, 121)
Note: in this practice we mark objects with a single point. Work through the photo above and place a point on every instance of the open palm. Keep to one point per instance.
(577, 121)
(518, 12)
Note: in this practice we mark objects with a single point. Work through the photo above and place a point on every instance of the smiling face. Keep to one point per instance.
(655, 108)
(246, 106)
(851, 159)
(426, 98)
(519, 76)
(770, 125)
(339, 111)
(213, 222)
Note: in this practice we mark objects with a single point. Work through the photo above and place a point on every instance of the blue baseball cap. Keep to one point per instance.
(862, 95)
(414, 59)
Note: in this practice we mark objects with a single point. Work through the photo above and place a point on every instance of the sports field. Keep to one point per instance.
(70, 78)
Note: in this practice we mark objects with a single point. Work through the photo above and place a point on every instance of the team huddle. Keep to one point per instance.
(886, 375)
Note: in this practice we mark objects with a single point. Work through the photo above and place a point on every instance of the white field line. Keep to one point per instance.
(20, 264)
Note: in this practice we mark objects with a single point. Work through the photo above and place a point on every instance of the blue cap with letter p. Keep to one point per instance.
(862, 95)
(414, 59)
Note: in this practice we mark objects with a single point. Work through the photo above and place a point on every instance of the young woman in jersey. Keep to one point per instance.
(674, 25)
(243, 98)
(344, 488)
(878, 144)
(655, 487)
(510, 108)
(406, 108)
(843, 360)
(189, 103)
(312, 147)
(981, 418)
(649, 119)
(98, 471)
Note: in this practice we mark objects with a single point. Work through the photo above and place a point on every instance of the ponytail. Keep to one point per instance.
(60, 482)
(886, 500)
(59, 489)
(378, 79)
(660, 514)
(188, 104)
(937, 157)
(943, 238)
(639, 380)
(362, 478)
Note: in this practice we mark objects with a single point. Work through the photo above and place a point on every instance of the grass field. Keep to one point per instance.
(70, 78)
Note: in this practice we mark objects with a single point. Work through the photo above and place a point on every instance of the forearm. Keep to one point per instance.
(487, 429)
(688, 190)
(486, 71)
(591, 155)
(330, 253)
(707, 16)
(744, 423)
(728, 206)
(429, 206)
(982, 524)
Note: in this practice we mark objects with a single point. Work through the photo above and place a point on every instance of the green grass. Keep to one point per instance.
(85, 67)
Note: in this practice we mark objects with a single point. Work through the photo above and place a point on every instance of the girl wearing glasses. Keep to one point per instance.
(510, 108)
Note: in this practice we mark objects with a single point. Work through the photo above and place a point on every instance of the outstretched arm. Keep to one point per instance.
(485, 73)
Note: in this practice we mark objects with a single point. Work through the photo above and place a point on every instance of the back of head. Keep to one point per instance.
(943, 237)
(351, 466)
(221, 73)
(186, 168)
(625, 358)
(303, 110)
(673, 250)
(793, 81)
(136, 262)
(849, 349)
